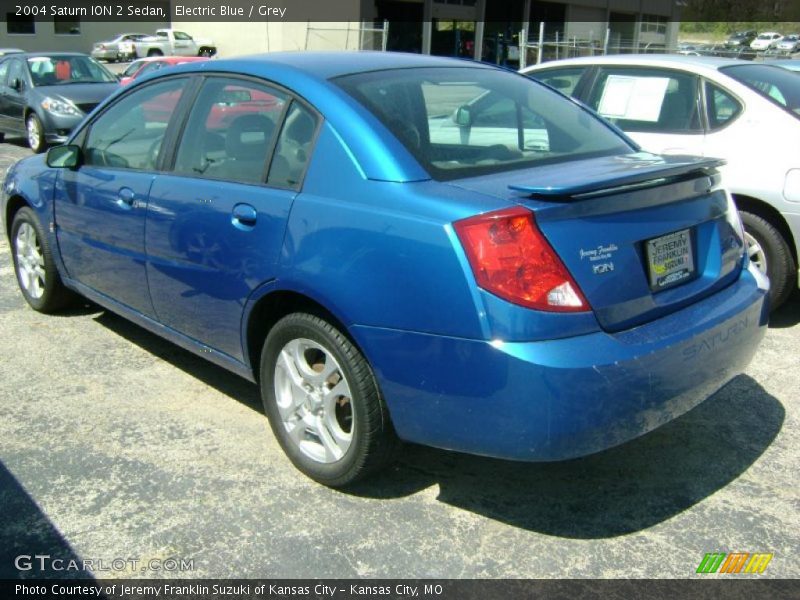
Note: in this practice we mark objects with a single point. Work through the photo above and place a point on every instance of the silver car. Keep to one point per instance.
(120, 47)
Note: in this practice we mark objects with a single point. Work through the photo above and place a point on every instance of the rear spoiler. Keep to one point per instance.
(630, 181)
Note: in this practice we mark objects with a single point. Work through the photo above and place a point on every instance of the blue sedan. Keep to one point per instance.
(398, 247)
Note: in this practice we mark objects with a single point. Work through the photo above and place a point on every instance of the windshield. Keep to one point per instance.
(460, 122)
(778, 85)
(66, 69)
(132, 68)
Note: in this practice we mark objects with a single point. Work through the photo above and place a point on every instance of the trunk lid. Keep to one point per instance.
(642, 235)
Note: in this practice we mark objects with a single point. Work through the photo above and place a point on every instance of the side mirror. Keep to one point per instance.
(16, 84)
(64, 157)
(463, 116)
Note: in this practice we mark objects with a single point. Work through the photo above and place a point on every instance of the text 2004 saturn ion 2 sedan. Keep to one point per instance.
(396, 248)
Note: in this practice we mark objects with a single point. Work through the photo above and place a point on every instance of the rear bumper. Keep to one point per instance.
(560, 399)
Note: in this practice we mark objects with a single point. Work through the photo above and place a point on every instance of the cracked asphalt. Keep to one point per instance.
(115, 444)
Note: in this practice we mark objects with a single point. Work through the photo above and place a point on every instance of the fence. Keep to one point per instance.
(544, 49)
(360, 37)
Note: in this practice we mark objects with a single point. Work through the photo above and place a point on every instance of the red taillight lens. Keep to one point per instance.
(512, 259)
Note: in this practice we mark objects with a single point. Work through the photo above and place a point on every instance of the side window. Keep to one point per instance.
(179, 35)
(230, 131)
(647, 100)
(564, 80)
(294, 147)
(3, 72)
(722, 108)
(130, 133)
(14, 72)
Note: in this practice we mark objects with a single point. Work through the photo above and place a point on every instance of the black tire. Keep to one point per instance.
(154, 52)
(36, 142)
(373, 440)
(54, 295)
(780, 264)
(2, 137)
(207, 52)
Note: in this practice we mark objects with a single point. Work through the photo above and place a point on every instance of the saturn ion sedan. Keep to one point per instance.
(399, 247)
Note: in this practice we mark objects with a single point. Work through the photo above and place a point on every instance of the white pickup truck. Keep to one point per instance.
(170, 42)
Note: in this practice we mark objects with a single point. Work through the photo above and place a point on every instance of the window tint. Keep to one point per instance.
(779, 85)
(647, 100)
(721, 106)
(460, 122)
(230, 131)
(3, 72)
(130, 133)
(179, 35)
(294, 147)
(564, 80)
(15, 72)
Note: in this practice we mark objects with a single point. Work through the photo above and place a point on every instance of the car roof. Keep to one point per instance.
(326, 65)
(53, 53)
(709, 63)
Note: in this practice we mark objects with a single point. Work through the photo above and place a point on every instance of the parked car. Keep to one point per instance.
(118, 48)
(710, 107)
(44, 96)
(413, 247)
(789, 44)
(170, 42)
(741, 38)
(143, 66)
(766, 40)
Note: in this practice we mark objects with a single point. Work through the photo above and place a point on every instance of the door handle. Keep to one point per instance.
(126, 196)
(244, 215)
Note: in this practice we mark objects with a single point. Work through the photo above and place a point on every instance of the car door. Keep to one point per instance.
(659, 108)
(215, 225)
(101, 206)
(14, 100)
(183, 44)
(3, 92)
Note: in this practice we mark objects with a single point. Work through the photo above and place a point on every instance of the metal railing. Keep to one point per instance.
(361, 37)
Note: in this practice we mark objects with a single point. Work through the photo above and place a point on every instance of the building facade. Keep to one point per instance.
(492, 31)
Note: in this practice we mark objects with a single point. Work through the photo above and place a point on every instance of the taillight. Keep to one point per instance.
(511, 258)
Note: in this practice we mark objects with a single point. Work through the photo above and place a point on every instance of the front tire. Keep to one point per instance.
(323, 402)
(770, 253)
(35, 133)
(36, 270)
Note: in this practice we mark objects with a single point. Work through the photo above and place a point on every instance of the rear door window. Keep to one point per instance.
(293, 150)
(647, 99)
(231, 130)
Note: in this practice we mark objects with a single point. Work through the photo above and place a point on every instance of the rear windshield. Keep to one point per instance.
(778, 85)
(460, 122)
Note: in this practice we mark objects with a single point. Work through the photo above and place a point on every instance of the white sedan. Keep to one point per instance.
(766, 40)
(747, 113)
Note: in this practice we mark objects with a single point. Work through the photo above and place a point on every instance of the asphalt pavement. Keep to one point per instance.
(116, 445)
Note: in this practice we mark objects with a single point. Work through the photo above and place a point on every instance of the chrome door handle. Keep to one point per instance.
(244, 214)
(126, 196)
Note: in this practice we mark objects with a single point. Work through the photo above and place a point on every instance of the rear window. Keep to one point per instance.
(460, 122)
(774, 83)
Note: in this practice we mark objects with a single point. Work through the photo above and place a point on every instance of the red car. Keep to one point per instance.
(149, 65)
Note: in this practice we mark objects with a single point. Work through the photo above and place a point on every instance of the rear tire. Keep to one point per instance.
(323, 402)
(34, 266)
(771, 254)
(154, 52)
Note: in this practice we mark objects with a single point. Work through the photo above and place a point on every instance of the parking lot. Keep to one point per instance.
(115, 444)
